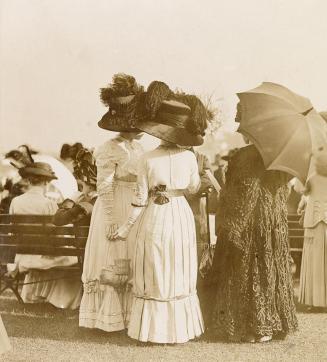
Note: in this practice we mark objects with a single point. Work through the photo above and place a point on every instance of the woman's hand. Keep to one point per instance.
(110, 230)
(120, 233)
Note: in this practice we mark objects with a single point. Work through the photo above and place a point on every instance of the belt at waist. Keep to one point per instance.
(168, 193)
(162, 195)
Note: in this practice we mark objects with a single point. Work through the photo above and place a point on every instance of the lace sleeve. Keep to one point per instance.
(139, 201)
(106, 160)
(142, 186)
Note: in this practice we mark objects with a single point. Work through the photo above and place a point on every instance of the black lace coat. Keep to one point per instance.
(251, 268)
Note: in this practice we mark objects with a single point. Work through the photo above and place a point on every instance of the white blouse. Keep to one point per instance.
(33, 202)
(173, 167)
(115, 159)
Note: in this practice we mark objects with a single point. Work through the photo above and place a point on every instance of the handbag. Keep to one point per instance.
(116, 275)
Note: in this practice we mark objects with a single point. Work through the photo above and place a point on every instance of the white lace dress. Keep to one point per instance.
(165, 305)
(103, 306)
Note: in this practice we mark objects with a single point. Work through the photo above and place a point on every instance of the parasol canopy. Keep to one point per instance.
(284, 127)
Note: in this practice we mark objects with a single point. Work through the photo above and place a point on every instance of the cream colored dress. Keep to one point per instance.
(62, 293)
(165, 305)
(4, 340)
(313, 278)
(103, 306)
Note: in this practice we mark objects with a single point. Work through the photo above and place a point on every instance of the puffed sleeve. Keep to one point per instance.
(107, 157)
(195, 182)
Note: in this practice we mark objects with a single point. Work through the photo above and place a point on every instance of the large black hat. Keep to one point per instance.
(176, 118)
(85, 168)
(124, 99)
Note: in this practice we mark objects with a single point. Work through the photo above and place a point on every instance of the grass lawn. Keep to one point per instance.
(44, 333)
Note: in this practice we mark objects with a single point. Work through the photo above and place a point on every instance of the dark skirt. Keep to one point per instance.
(253, 285)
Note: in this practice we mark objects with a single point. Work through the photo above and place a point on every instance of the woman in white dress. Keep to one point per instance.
(4, 340)
(106, 306)
(313, 278)
(165, 305)
(62, 292)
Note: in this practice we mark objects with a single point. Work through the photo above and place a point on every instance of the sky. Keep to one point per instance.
(56, 54)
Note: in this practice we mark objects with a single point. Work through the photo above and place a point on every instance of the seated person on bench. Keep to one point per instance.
(48, 285)
(78, 209)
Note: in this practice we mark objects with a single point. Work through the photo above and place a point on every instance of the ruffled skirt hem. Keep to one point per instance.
(61, 293)
(175, 321)
(105, 309)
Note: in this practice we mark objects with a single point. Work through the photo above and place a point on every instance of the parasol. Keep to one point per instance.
(324, 115)
(283, 126)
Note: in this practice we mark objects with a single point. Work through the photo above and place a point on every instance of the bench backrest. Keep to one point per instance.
(36, 234)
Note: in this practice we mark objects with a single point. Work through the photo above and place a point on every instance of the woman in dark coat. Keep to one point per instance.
(251, 268)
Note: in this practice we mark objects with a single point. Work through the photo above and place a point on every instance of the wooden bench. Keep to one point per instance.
(36, 234)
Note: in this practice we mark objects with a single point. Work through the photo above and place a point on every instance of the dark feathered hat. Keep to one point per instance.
(124, 99)
(23, 160)
(174, 117)
(84, 167)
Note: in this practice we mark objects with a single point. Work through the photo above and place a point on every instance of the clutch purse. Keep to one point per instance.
(116, 275)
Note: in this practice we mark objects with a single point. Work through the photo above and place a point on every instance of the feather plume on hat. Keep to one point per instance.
(22, 156)
(124, 97)
(122, 85)
(200, 115)
(85, 167)
(157, 92)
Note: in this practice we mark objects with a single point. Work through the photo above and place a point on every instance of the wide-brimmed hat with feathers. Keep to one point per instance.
(124, 99)
(22, 159)
(22, 156)
(85, 167)
(178, 118)
(41, 169)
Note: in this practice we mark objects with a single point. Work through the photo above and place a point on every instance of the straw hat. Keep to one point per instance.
(38, 169)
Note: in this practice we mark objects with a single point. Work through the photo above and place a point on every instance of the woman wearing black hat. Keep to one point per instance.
(107, 306)
(165, 305)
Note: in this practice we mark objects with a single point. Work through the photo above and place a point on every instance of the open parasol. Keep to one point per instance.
(283, 126)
